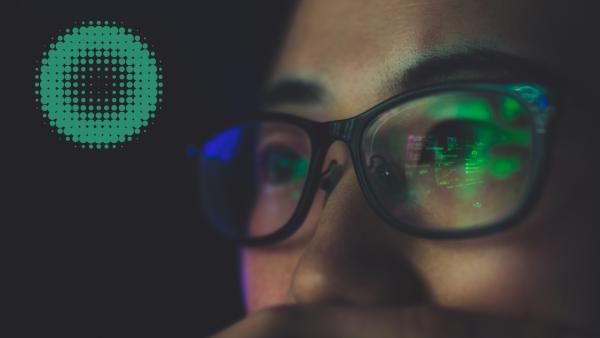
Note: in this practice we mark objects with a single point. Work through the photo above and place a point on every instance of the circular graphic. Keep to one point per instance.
(99, 85)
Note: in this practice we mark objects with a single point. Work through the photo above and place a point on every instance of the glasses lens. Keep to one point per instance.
(253, 176)
(450, 161)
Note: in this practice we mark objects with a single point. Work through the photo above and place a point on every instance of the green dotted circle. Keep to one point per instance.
(99, 85)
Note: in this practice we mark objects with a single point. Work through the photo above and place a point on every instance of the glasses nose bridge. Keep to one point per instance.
(342, 130)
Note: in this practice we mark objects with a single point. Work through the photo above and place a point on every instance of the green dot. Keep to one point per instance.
(66, 102)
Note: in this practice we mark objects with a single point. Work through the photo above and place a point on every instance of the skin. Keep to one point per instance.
(346, 273)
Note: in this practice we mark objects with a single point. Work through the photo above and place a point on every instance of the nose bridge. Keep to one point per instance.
(349, 257)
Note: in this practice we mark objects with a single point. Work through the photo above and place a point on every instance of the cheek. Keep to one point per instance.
(265, 278)
(494, 280)
(263, 274)
(523, 278)
(267, 272)
(273, 208)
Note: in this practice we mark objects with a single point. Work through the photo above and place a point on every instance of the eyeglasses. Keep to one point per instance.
(448, 161)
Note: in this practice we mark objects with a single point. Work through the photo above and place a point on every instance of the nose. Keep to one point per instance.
(352, 256)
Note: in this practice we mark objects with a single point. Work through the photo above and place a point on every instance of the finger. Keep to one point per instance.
(315, 321)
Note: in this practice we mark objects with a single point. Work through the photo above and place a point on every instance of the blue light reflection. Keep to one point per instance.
(223, 146)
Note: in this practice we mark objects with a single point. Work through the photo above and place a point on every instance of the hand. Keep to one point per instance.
(327, 321)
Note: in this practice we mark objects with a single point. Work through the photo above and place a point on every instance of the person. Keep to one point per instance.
(462, 207)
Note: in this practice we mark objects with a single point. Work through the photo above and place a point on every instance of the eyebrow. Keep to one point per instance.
(428, 69)
(294, 90)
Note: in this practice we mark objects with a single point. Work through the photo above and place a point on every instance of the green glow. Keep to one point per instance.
(511, 108)
(300, 169)
(64, 71)
(476, 109)
(503, 167)
(515, 136)
(285, 168)
(457, 107)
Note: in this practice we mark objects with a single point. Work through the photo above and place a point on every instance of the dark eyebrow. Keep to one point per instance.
(487, 63)
(429, 69)
(293, 91)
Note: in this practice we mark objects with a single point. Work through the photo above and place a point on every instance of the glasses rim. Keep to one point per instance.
(351, 131)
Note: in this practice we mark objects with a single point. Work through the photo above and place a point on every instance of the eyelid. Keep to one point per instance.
(290, 136)
(279, 137)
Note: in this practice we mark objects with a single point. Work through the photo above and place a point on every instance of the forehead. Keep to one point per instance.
(350, 46)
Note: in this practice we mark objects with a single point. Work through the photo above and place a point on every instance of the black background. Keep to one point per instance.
(112, 243)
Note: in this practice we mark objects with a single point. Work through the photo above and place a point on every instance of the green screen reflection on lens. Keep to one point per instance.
(472, 145)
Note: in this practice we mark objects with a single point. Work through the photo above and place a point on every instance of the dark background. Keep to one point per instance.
(112, 243)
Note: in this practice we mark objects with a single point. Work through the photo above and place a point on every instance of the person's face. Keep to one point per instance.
(545, 267)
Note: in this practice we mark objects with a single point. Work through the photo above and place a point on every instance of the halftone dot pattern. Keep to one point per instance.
(99, 85)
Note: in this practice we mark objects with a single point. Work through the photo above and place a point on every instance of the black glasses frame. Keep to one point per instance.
(352, 130)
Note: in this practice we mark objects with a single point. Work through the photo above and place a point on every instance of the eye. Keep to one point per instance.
(280, 164)
(454, 142)
(465, 152)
